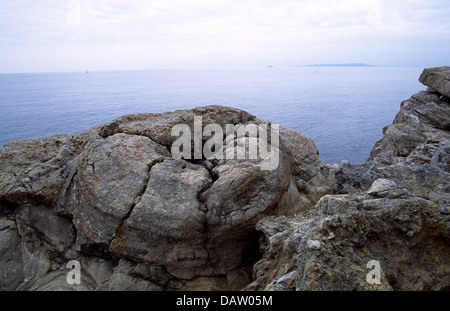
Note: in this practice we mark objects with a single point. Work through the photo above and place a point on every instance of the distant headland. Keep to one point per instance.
(338, 65)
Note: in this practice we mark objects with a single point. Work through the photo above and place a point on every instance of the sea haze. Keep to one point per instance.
(343, 109)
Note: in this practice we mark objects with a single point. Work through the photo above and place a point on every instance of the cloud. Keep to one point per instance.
(205, 32)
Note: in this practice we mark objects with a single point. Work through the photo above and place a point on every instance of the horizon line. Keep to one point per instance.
(347, 65)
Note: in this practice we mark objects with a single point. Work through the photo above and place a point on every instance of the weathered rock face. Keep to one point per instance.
(420, 127)
(438, 79)
(116, 193)
(136, 218)
(392, 211)
(406, 235)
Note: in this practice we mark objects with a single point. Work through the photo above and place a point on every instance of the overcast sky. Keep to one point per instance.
(63, 35)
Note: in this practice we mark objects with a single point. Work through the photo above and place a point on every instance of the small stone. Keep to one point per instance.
(381, 187)
(313, 244)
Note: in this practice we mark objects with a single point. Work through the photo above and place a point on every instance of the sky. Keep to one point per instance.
(74, 35)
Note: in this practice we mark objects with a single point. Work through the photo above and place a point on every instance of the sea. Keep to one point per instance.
(343, 109)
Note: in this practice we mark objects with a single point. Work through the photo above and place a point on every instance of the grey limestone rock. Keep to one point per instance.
(441, 157)
(115, 193)
(11, 271)
(437, 78)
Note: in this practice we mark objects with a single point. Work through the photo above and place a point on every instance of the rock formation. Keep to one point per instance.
(437, 80)
(114, 199)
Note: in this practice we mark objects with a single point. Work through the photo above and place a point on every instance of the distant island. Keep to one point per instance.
(338, 65)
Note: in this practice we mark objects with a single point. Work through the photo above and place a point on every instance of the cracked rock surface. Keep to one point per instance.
(115, 194)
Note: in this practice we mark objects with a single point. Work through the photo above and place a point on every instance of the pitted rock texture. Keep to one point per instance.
(438, 79)
(117, 194)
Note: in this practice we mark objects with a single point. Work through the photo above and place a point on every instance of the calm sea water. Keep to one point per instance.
(342, 109)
